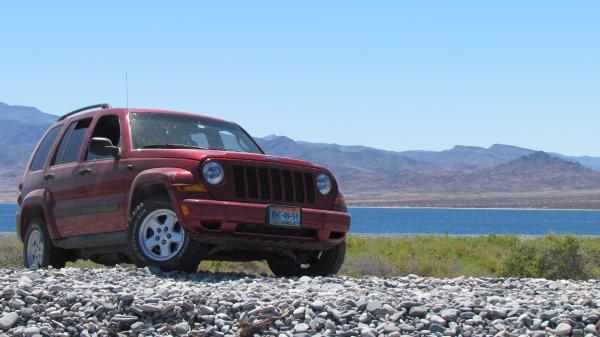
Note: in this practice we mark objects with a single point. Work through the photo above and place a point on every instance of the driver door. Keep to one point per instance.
(102, 180)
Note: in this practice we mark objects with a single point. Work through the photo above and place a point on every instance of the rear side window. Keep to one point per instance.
(71, 143)
(41, 155)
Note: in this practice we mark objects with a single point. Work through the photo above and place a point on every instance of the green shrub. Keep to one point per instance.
(521, 262)
(555, 257)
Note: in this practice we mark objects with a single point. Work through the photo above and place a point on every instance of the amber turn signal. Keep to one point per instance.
(185, 210)
(340, 203)
(191, 187)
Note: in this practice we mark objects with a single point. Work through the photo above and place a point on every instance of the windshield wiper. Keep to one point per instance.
(174, 146)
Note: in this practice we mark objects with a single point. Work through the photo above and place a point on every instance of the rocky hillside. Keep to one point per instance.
(459, 158)
(538, 171)
(353, 160)
(25, 114)
(22, 128)
(470, 157)
(462, 168)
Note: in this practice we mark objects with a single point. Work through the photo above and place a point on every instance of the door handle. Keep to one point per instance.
(48, 176)
(85, 171)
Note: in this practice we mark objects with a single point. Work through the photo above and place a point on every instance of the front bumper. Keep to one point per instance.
(245, 223)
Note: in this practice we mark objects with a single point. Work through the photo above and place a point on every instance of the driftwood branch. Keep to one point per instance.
(247, 328)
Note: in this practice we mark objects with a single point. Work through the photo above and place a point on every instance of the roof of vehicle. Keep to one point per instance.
(90, 113)
(142, 110)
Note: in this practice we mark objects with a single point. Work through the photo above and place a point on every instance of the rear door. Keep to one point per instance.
(103, 182)
(60, 179)
(33, 178)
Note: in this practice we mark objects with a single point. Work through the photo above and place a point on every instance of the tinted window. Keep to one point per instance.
(200, 139)
(233, 143)
(156, 130)
(38, 161)
(70, 146)
(107, 127)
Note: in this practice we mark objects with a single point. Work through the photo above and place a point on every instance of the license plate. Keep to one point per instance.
(284, 216)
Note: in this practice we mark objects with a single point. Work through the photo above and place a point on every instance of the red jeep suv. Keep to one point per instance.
(169, 189)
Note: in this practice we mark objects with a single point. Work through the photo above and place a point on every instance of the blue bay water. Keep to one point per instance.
(440, 221)
(474, 221)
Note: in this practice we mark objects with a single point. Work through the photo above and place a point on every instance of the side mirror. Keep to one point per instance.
(104, 147)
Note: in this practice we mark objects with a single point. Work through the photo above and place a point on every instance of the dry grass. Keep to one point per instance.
(11, 253)
(551, 256)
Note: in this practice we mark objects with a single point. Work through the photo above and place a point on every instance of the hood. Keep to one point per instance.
(202, 155)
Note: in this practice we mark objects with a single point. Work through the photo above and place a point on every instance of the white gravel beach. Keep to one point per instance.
(129, 302)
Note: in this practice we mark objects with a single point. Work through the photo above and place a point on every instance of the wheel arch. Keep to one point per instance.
(158, 181)
(35, 205)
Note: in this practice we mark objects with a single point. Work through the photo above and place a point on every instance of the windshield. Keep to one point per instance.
(162, 130)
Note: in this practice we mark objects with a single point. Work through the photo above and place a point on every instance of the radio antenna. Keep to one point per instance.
(126, 91)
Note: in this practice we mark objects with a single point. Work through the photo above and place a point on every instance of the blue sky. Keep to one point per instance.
(390, 74)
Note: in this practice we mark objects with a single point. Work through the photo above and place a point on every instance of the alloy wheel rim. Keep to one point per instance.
(35, 249)
(161, 236)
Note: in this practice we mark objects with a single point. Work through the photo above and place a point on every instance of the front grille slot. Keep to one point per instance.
(288, 186)
(310, 189)
(276, 179)
(265, 186)
(273, 185)
(299, 186)
(238, 178)
(252, 183)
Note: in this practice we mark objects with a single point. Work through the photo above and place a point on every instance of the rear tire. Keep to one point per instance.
(328, 262)
(157, 239)
(38, 251)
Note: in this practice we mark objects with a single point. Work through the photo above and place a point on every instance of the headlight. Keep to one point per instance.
(213, 173)
(324, 184)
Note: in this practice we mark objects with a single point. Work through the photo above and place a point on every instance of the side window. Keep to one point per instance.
(71, 143)
(41, 155)
(107, 127)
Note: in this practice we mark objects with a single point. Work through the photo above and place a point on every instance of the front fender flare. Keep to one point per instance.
(165, 176)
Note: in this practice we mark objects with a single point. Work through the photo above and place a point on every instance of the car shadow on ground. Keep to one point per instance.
(206, 276)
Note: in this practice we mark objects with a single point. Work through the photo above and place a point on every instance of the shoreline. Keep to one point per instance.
(481, 208)
(519, 236)
(5, 235)
(447, 208)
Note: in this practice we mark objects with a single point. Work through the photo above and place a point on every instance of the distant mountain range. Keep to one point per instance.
(499, 168)
(459, 158)
(22, 128)
(464, 176)
(25, 114)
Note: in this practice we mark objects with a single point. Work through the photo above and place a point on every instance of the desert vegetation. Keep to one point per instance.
(552, 256)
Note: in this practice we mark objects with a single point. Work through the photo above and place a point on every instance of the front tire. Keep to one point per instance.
(38, 251)
(325, 263)
(157, 238)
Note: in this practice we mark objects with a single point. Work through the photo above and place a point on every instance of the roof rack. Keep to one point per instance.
(89, 107)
